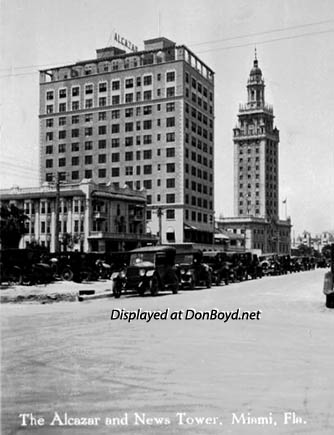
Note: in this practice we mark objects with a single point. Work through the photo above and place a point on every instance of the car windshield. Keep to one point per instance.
(184, 259)
(139, 258)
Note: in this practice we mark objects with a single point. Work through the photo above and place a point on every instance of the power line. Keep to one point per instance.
(266, 41)
(282, 29)
(192, 44)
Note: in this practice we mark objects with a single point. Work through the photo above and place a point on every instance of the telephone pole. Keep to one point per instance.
(57, 213)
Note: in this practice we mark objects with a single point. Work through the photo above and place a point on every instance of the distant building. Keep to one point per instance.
(144, 119)
(91, 217)
(256, 182)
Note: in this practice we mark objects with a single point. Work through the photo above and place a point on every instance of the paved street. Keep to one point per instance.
(167, 376)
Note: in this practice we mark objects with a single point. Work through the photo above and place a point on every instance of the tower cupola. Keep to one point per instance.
(255, 86)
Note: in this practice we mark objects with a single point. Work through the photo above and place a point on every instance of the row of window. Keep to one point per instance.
(115, 129)
(115, 100)
(196, 85)
(115, 114)
(129, 83)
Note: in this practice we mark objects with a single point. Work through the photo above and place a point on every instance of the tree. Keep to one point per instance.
(12, 226)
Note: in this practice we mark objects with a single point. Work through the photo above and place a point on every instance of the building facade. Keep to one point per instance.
(143, 119)
(91, 217)
(256, 175)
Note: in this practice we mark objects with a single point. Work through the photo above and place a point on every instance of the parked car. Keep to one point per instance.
(191, 270)
(24, 266)
(150, 269)
(221, 266)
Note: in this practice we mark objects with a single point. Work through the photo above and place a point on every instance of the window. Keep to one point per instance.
(138, 81)
(103, 87)
(147, 154)
(49, 109)
(147, 110)
(147, 95)
(147, 124)
(115, 114)
(170, 92)
(128, 156)
(62, 121)
(49, 149)
(88, 103)
(147, 184)
(115, 100)
(62, 134)
(75, 105)
(49, 122)
(128, 141)
(147, 169)
(75, 91)
(88, 89)
(49, 95)
(88, 131)
(102, 173)
(102, 116)
(129, 126)
(129, 112)
(62, 107)
(170, 198)
(88, 173)
(170, 183)
(102, 158)
(114, 128)
(88, 145)
(128, 98)
(128, 170)
(170, 137)
(170, 167)
(62, 148)
(102, 144)
(102, 129)
(170, 107)
(115, 85)
(48, 163)
(170, 122)
(75, 146)
(170, 152)
(129, 83)
(147, 80)
(102, 101)
(88, 160)
(115, 143)
(170, 76)
(147, 139)
(75, 161)
(75, 132)
(115, 157)
(62, 93)
(115, 172)
(75, 119)
(62, 162)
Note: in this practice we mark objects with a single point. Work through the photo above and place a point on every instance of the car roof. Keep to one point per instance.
(153, 249)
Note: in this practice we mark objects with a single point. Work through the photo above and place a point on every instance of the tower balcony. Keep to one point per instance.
(256, 106)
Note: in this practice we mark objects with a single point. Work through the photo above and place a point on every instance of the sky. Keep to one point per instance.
(295, 48)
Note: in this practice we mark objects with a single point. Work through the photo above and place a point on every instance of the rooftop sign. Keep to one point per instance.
(126, 43)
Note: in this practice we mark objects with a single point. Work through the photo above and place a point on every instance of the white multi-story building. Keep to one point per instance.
(144, 119)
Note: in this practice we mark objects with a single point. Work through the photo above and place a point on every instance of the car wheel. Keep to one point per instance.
(175, 286)
(67, 274)
(154, 286)
(15, 277)
(117, 290)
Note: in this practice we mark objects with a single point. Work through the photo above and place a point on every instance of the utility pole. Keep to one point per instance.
(57, 213)
(159, 214)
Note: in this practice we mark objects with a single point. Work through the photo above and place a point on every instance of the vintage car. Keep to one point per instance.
(191, 270)
(150, 269)
(24, 266)
(221, 265)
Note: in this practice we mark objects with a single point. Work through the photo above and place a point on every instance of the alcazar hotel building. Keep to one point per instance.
(143, 119)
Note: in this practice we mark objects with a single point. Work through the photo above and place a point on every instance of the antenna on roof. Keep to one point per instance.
(111, 37)
(159, 25)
